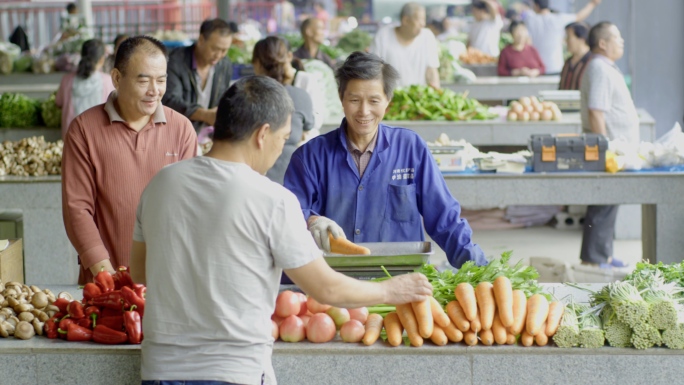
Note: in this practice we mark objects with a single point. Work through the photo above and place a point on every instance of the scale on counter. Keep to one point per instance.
(397, 257)
(566, 100)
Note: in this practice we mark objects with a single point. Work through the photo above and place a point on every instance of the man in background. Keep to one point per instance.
(485, 32)
(313, 33)
(607, 109)
(201, 73)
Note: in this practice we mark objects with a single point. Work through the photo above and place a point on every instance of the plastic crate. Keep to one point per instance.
(585, 152)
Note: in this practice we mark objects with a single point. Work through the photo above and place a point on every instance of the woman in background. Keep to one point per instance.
(272, 58)
(520, 58)
(85, 88)
(576, 35)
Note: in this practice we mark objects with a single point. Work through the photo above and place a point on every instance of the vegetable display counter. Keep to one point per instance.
(43, 361)
(38, 86)
(497, 88)
(500, 132)
(16, 134)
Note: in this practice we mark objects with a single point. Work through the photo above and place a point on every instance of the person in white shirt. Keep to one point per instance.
(410, 48)
(547, 30)
(485, 32)
(212, 238)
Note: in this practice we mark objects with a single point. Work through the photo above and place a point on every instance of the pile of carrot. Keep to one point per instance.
(489, 313)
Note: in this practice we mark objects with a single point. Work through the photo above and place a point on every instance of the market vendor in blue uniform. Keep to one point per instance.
(370, 182)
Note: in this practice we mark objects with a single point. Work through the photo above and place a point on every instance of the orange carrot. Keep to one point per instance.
(499, 331)
(526, 339)
(438, 314)
(423, 312)
(510, 339)
(438, 336)
(476, 324)
(373, 329)
(487, 337)
(503, 294)
(345, 246)
(408, 321)
(519, 312)
(453, 334)
(484, 293)
(465, 295)
(457, 317)
(556, 310)
(541, 339)
(537, 311)
(470, 338)
(393, 329)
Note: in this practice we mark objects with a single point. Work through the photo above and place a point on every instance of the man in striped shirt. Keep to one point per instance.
(111, 152)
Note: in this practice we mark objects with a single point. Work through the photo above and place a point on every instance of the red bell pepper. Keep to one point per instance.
(111, 300)
(90, 291)
(78, 333)
(75, 309)
(141, 290)
(113, 322)
(50, 328)
(105, 335)
(90, 310)
(134, 300)
(133, 326)
(64, 326)
(122, 278)
(62, 304)
(107, 312)
(85, 322)
(105, 281)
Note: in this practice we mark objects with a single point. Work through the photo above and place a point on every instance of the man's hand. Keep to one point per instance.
(105, 265)
(319, 229)
(407, 288)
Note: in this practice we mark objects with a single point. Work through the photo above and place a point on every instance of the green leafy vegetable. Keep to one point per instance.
(356, 40)
(18, 111)
(52, 115)
(426, 103)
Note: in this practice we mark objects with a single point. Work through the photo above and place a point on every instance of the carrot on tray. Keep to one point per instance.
(345, 246)
(503, 294)
(470, 338)
(373, 329)
(476, 324)
(484, 292)
(556, 310)
(541, 339)
(537, 311)
(457, 316)
(519, 312)
(465, 295)
(526, 339)
(393, 329)
(510, 339)
(438, 336)
(441, 318)
(487, 337)
(423, 312)
(408, 321)
(453, 334)
(499, 331)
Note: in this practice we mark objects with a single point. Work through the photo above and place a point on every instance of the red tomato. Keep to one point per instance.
(352, 331)
(287, 304)
(302, 303)
(292, 329)
(321, 328)
(359, 314)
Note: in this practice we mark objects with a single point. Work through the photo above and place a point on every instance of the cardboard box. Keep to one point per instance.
(12, 262)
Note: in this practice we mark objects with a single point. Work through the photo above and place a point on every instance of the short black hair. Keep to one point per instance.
(131, 45)
(119, 38)
(71, 7)
(221, 26)
(515, 24)
(366, 66)
(249, 104)
(305, 25)
(598, 32)
(580, 29)
(479, 4)
(542, 4)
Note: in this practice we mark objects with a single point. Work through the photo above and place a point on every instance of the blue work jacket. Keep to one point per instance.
(401, 185)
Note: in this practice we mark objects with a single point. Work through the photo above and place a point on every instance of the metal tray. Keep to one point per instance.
(385, 254)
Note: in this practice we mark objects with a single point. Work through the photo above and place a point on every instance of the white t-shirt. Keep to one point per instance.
(547, 32)
(485, 35)
(311, 82)
(411, 61)
(218, 235)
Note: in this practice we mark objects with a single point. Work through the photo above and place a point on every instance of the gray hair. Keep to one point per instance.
(366, 66)
(249, 104)
(410, 9)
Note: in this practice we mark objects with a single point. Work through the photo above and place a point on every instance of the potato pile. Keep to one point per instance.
(31, 157)
(24, 309)
(531, 109)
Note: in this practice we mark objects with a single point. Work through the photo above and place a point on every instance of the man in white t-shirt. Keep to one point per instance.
(212, 238)
(485, 32)
(410, 48)
(547, 30)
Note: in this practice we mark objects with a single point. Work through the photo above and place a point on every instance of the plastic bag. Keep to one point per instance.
(8, 53)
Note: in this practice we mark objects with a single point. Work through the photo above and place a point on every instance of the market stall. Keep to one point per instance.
(41, 360)
(500, 132)
(498, 88)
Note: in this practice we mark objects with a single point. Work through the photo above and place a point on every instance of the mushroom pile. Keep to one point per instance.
(31, 157)
(24, 309)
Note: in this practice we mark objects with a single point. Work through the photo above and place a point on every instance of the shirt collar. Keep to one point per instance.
(353, 148)
(157, 117)
(605, 59)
